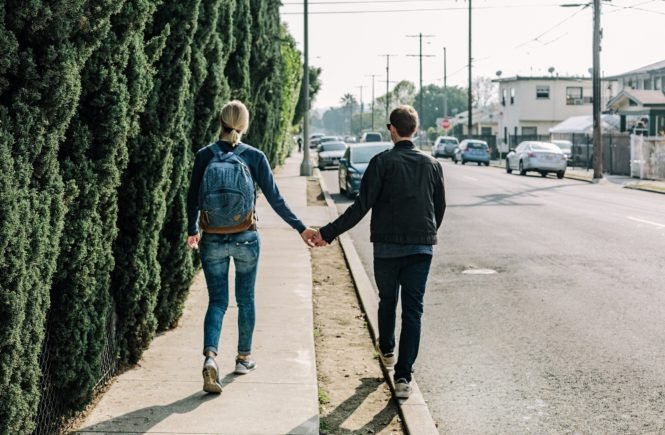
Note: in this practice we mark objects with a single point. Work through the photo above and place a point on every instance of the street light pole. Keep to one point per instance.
(470, 96)
(372, 75)
(420, 99)
(597, 131)
(445, 85)
(306, 165)
(362, 107)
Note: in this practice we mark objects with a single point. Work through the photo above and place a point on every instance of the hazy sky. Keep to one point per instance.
(523, 37)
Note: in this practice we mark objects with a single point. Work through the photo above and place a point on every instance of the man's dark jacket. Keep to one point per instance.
(404, 188)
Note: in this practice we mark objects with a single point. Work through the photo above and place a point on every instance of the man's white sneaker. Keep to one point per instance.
(402, 389)
(211, 383)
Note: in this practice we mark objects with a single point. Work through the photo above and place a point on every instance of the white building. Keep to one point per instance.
(530, 106)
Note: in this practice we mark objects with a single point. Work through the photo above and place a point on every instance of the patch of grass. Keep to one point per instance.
(324, 398)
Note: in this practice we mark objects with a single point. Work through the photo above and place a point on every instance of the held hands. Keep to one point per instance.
(312, 238)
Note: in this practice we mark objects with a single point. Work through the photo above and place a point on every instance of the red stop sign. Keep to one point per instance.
(445, 124)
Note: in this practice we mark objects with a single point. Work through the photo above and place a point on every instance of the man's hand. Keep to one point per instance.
(308, 235)
(318, 240)
(193, 241)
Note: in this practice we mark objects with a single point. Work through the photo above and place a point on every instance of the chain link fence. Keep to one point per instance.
(52, 416)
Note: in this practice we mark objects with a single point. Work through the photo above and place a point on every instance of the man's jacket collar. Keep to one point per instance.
(405, 143)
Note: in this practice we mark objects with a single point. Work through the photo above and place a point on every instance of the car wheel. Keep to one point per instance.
(480, 163)
(487, 163)
(508, 170)
(522, 170)
(543, 174)
(463, 162)
(342, 190)
(454, 160)
(560, 174)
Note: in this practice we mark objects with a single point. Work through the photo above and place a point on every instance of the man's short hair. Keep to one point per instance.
(405, 120)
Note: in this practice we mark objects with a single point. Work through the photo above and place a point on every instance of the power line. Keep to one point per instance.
(456, 8)
(361, 2)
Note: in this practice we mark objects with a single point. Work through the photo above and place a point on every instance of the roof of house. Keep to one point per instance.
(645, 69)
(640, 96)
(584, 124)
(540, 78)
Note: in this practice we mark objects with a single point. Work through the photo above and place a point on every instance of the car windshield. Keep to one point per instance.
(544, 147)
(328, 138)
(333, 146)
(477, 146)
(448, 142)
(365, 154)
(373, 137)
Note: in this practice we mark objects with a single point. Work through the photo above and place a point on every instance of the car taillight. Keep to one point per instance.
(531, 154)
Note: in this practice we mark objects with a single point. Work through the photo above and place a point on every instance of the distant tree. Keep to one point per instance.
(433, 96)
(484, 91)
(314, 87)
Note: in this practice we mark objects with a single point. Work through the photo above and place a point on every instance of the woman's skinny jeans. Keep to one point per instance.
(216, 253)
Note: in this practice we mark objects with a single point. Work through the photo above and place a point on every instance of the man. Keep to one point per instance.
(404, 189)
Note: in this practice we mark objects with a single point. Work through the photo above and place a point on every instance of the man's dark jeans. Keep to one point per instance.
(409, 273)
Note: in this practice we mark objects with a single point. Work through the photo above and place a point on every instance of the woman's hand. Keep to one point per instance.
(193, 241)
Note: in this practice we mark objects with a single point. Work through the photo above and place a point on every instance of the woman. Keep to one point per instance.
(240, 242)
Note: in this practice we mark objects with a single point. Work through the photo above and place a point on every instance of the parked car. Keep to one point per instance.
(329, 153)
(354, 162)
(472, 150)
(324, 139)
(566, 147)
(542, 157)
(314, 139)
(371, 136)
(444, 146)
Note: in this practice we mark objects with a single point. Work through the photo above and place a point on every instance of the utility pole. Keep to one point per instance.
(470, 102)
(387, 83)
(372, 76)
(420, 55)
(597, 132)
(445, 85)
(306, 165)
(362, 107)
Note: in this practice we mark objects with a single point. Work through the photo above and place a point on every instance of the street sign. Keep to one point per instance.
(445, 124)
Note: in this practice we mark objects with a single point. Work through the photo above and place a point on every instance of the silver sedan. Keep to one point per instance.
(542, 157)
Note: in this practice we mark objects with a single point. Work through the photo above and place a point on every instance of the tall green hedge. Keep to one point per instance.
(156, 160)
(102, 104)
(93, 157)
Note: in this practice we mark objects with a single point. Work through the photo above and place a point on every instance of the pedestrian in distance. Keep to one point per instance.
(221, 201)
(299, 144)
(404, 189)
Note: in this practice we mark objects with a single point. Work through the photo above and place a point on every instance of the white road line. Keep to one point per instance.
(646, 222)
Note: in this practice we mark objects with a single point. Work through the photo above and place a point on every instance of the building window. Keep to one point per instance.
(503, 97)
(656, 83)
(542, 92)
(574, 96)
(647, 84)
(512, 95)
(529, 131)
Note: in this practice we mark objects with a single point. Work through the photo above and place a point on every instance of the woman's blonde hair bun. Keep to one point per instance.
(234, 120)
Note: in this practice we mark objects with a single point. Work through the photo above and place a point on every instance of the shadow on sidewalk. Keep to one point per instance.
(347, 408)
(144, 419)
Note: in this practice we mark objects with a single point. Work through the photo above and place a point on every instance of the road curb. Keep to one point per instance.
(644, 188)
(414, 411)
(572, 176)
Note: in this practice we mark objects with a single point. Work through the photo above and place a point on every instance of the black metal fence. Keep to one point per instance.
(616, 151)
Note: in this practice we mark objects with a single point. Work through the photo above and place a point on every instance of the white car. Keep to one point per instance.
(566, 147)
(330, 153)
(542, 157)
(444, 146)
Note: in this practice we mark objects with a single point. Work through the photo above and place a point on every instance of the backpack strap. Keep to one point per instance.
(240, 148)
(216, 149)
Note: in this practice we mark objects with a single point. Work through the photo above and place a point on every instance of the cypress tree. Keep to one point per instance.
(266, 77)
(157, 158)
(93, 157)
(237, 68)
(291, 69)
(44, 46)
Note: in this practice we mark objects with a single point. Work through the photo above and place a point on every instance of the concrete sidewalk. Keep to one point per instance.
(163, 393)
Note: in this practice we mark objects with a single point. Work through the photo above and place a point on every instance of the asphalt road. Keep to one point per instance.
(568, 336)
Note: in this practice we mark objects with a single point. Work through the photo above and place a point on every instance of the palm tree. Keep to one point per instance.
(348, 101)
